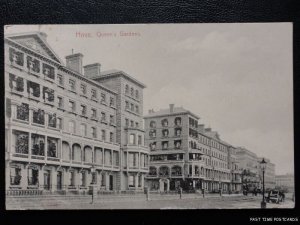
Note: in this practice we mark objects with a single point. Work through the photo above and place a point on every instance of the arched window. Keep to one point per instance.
(152, 124)
(88, 154)
(177, 121)
(76, 152)
(65, 150)
(164, 122)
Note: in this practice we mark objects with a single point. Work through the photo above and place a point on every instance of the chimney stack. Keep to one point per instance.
(171, 108)
(92, 70)
(208, 129)
(74, 62)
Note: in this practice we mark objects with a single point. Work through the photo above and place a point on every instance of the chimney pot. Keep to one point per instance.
(74, 62)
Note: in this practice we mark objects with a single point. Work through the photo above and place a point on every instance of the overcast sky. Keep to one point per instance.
(237, 77)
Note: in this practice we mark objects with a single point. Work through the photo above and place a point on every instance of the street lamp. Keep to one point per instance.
(263, 168)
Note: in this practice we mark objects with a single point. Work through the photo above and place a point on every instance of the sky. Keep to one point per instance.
(237, 78)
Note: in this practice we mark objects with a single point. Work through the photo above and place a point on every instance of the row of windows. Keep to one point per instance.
(132, 123)
(38, 117)
(165, 145)
(33, 65)
(165, 133)
(132, 107)
(130, 91)
(165, 122)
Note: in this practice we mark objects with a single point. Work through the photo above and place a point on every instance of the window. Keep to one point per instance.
(111, 137)
(93, 132)
(132, 107)
(103, 117)
(126, 89)
(83, 129)
(15, 176)
(131, 181)
(177, 144)
(165, 145)
(33, 89)
(177, 121)
(139, 140)
(152, 133)
(21, 142)
(103, 179)
(38, 144)
(23, 112)
(39, 117)
(152, 124)
(72, 106)
(103, 135)
(164, 122)
(131, 91)
(131, 123)
(52, 120)
(137, 94)
(94, 113)
(137, 125)
(153, 146)
(60, 80)
(112, 101)
(132, 139)
(59, 123)
(111, 119)
(60, 102)
(93, 93)
(16, 57)
(165, 132)
(127, 122)
(72, 127)
(48, 94)
(126, 105)
(177, 132)
(137, 109)
(48, 71)
(16, 83)
(83, 89)
(103, 98)
(72, 85)
(33, 176)
(52, 147)
(83, 110)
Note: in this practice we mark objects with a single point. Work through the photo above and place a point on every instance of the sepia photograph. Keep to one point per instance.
(149, 116)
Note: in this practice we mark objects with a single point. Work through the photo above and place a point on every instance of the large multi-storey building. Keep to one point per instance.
(185, 154)
(65, 128)
(285, 181)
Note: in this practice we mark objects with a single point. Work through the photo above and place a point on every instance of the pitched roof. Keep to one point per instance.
(36, 41)
(164, 112)
(114, 72)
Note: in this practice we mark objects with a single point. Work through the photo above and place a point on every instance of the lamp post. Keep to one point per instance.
(263, 168)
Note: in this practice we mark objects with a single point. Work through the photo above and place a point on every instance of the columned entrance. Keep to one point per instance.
(164, 185)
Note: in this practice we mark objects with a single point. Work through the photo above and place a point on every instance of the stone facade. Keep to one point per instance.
(185, 154)
(63, 128)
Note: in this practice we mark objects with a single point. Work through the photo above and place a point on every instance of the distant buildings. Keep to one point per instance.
(185, 154)
(269, 173)
(285, 181)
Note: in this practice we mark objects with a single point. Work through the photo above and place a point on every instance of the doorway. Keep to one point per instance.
(47, 180)
(59, 180)
(111, 182)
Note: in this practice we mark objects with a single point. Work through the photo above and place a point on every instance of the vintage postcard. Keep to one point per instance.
(149, 116)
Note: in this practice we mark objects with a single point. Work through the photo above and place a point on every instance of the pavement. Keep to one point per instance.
(139, 201)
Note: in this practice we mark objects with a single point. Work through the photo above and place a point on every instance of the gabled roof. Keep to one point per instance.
(165, 112)
(114, 72)
(36, 41)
